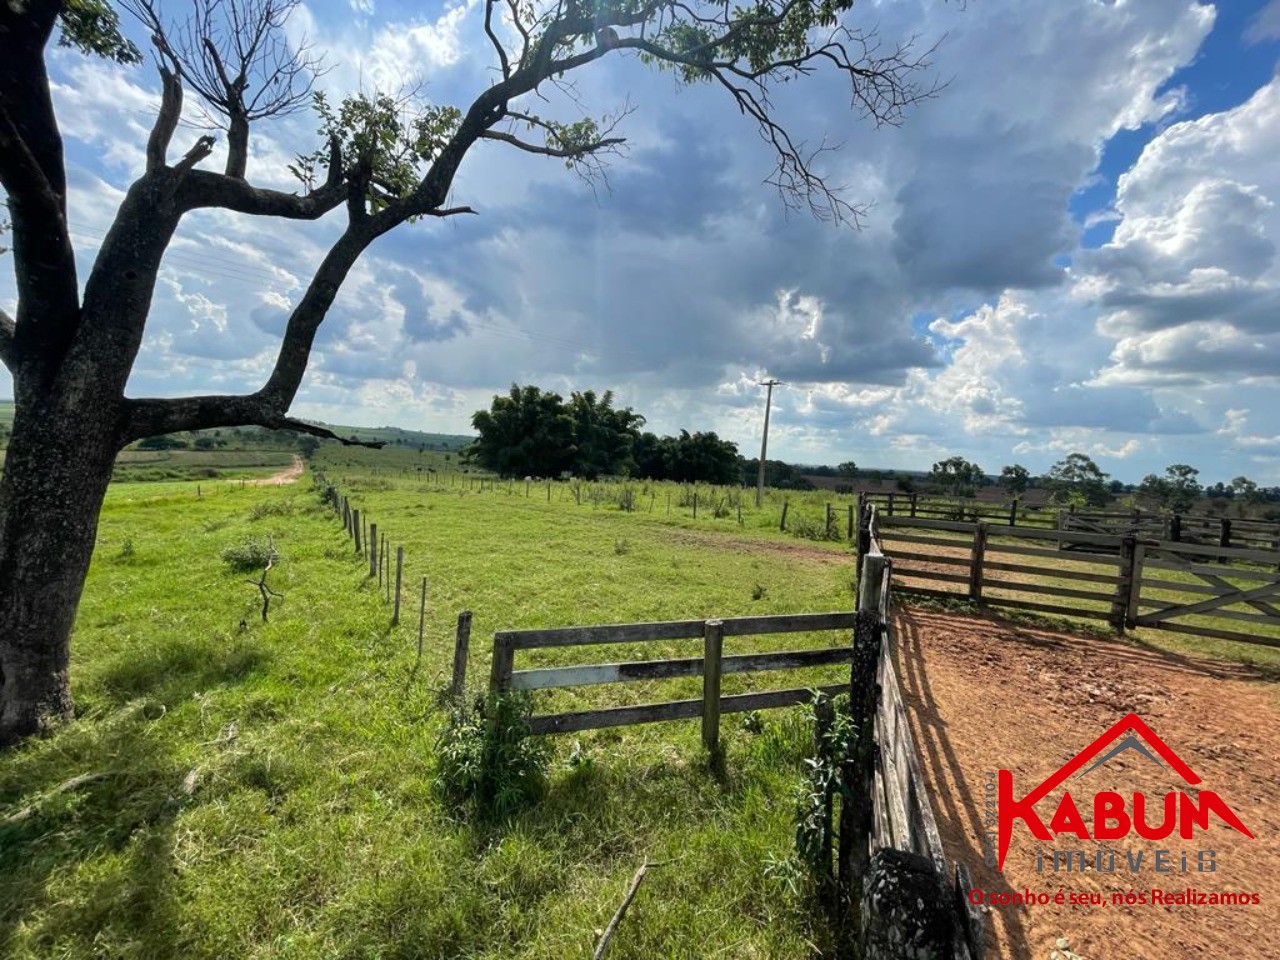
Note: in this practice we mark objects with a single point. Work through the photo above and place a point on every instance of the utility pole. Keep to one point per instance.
(764, 439)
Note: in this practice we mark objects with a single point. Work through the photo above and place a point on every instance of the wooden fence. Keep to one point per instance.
(891, 877)
(1178, 528)
(711, 666)
(1124, 580)
(909, 900)
(926, 507)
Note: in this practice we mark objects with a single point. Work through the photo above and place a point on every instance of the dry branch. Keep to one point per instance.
(261, 584)
(626, 902)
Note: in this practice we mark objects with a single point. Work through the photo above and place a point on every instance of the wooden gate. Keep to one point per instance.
(1234, 586)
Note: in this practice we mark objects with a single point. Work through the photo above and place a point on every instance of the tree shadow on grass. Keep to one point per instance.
(87, 815)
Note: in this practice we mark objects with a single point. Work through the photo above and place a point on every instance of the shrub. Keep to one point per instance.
(488, 766)
(251, 554)
(271, 508)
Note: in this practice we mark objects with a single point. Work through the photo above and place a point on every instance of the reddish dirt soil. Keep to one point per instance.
(985, 694)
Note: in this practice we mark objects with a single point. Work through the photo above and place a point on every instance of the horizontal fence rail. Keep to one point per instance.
(711, 666)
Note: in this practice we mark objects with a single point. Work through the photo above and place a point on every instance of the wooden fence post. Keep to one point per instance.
(890, 510)
(1124, 588)
(1175, 528)
(851, 524)
(1013, 512)
(915, 497)
(976, 560)
(826, 531)
(695, 504)
(422, 617)
(870, 578)
(864, 529)
(1224, 539)
(355, 524)
(783, 523)
(374, 569)
(395, 615)
(856, 809)
(503, 660)
(461, 644)
(712, 645)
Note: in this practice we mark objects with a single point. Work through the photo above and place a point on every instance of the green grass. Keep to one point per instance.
(267, 788)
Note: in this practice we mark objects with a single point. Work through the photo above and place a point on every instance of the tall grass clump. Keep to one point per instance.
(489, 767)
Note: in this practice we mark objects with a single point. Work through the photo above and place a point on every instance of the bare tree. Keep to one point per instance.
(70, 350)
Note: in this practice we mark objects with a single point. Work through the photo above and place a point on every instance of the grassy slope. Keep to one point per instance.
(311, 829)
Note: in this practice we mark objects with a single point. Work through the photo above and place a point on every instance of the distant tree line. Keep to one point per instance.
(532, 432)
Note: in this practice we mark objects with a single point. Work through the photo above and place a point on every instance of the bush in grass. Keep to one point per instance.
(253, 554)
(271, 508)
(488, 766)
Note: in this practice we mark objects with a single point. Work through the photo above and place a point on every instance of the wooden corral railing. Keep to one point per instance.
(897, 880)
(915, 505)
(1124, 580)
(1178, 528)
(711, 666)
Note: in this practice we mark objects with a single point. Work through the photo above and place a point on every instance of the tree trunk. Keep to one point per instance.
(56, 472)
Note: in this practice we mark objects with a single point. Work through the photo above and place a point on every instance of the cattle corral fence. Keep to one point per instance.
(1199, 589)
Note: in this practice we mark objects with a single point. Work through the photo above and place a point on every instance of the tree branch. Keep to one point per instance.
(166, 120)
(552, 151)
(7, 355)
(32, 174)
(203, 188)
(152, 416)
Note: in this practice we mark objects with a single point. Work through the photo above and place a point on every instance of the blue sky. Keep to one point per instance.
(1071, 248)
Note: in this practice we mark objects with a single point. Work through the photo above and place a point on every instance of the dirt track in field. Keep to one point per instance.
(286, 476)
(986, 694)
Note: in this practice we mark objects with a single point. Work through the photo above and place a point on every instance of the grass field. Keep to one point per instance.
(265, 790)
(234, 788)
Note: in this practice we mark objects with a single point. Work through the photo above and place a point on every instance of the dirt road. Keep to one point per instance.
(286, 476)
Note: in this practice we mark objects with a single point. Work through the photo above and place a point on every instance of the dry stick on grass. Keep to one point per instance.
(626, 902)
(261, 584)
(65, 787)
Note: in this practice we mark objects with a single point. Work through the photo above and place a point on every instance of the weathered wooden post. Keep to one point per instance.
(976, 558)
(1124, 587)
(826, 531)
(782, 525)
(355, 523)
(1224, 538)
(695, 504)
(856, 808)
(461, 646)
(870, 577)
(422, 618)
(906, 909)
(1175, 528)
(914, 499)
(851, 524)
(1013, 512)
(503, 660)
(712, 645)
(374, 569)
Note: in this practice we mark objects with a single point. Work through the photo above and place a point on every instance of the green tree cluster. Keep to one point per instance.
(532, 432)
(1077, 479)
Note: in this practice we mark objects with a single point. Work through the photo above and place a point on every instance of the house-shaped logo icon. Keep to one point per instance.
(1113, 817)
